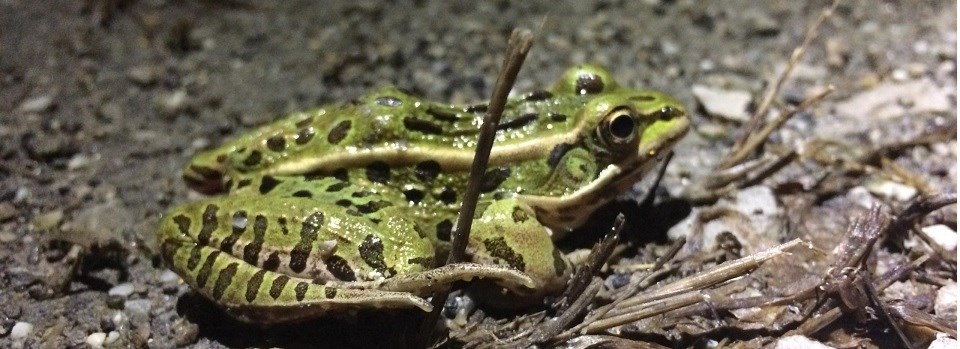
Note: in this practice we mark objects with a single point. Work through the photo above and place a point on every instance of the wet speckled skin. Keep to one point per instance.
(344, 206)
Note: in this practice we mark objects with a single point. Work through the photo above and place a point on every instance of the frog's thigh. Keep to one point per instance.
(508, 233)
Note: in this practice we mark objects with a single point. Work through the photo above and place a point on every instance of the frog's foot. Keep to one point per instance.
(263, 296)
(431, 280)
(509, 234)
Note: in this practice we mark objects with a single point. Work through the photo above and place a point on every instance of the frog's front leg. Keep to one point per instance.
(508, 233)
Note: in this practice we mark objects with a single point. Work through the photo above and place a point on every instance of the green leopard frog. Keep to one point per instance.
(344, 206)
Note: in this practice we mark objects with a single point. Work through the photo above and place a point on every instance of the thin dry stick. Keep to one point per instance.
(771, 94)
(517, 48)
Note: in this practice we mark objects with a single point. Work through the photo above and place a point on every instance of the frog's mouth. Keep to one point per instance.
(567, 212)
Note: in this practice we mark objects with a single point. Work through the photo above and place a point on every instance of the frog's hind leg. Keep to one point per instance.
(263, 296)
(433, 279)
(225, 266)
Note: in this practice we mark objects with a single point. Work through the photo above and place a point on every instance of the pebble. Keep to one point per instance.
(122, 290)
(727, 104)
(174, 103)
(942, 235)
(138, 307)
(892, 190)
(21, 330)
(37, 104)
(112, 337)
(80, 161)
(143, 75)
(799, 342)
(943, 341)
(49, 220)
(7, 211)
(7, 236)
(96, 339)
(185, 332)
(946, 304)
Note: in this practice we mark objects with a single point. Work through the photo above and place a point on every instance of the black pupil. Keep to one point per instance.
(621, 126)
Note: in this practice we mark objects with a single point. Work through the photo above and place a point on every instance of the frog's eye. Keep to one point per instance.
(620, 127)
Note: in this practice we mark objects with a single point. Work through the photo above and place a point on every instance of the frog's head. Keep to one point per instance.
(620, 135)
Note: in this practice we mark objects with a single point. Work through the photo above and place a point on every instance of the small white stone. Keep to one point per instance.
(168, 276)
(21, 330)
(942, 235)
(95, 340)
(943, 341)
(112, 337)
(123, 290)
(728, 104)
(899, 75)
(946, 304)
(799, 342)
(36, 104)
(892, 190)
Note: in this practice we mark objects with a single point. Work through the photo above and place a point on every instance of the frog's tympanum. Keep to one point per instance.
(345, 206)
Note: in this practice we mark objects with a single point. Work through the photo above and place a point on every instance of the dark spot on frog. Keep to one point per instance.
(335, 187)
(493, 178)
(194, 259)
(276, 288)
(379, 172)
(304, 136)
(282, 222)
(442, 115)
(206, 269)
(419, 230)
(427, 171)
(308, 235)
(518, 122)
(251, 252)
(339, 132)
(448, 195)
(243, 183)
(425, 262)
(557, 117)
(253, 159)
(330, 292)
(538, 95)
(267, 183)
(476, 108)
(519, 215)
(341, 174)
(239, 225)
(588, 83)
(559, 262)
(302, 194)
(305, 122)
(340, 269)
(557, 154)
(642, 98)
(361, 194)
(371, 251)
(183, 224)
(276, 143)
(413, 195)
(373, 206)
(422, 126)
(344, 203)
(497, 247)
(224, 278)
(209, 224)
(301, 290)
(443, 230)
(272, 263)
(253, 285)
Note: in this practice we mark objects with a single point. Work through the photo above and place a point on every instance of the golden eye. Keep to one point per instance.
(620, 127)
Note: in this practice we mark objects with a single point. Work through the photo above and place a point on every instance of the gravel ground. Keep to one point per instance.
(103, 101)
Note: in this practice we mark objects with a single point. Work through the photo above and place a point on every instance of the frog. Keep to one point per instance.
(351, 206)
